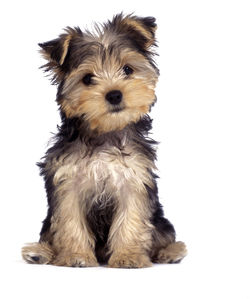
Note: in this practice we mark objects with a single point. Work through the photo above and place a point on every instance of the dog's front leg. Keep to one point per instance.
(72, 240)
(131, 230)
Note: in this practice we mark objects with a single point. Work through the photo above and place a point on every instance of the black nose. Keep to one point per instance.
(114, 97)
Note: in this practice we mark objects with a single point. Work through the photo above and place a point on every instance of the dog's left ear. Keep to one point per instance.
(140, 30)
(55, 52)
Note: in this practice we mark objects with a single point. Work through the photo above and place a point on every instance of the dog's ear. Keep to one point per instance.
(56, 50)
(140, 30)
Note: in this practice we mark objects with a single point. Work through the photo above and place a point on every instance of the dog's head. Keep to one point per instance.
(107, 77)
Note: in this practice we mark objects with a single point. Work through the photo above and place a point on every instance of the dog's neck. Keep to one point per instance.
(74, 133)
(78, 128)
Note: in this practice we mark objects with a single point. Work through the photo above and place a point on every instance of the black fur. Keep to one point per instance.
(50, 189)
(100, 219)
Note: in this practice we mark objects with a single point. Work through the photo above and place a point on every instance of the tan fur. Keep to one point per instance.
(129, 259)
(131, 230)
(137, 25)
(160, 242)
(70, 231)
(65, 48)
(69, 228)
(138, 91)
(41, 250)
(69, 259)
(173, 253)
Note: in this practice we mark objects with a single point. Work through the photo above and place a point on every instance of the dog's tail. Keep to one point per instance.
(38, 253)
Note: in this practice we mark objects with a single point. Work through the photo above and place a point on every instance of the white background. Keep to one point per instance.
(201, 118)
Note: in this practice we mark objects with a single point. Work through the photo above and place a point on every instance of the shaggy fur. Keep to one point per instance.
(99, 175)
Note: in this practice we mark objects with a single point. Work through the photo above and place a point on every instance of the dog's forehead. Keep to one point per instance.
(106, 43)
(103, 37)
(102, 49)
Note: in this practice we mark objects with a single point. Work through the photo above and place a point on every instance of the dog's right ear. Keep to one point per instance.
(55, 52)
(140, 30)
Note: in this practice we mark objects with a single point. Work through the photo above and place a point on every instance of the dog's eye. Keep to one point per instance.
(87, 79)
(128, 70)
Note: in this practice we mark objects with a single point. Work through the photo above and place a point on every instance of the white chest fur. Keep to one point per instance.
(106, 170)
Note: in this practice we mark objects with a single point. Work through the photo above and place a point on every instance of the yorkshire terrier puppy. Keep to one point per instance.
(99, 175)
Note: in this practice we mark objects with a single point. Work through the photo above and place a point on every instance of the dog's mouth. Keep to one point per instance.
(116, 109)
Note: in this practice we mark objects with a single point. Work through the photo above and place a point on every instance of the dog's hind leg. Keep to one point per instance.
(165, 249)
(171, 254)
(38, 253)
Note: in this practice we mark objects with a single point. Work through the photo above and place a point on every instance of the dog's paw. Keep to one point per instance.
(173, 253)
(129, 260)
(37, 253)
(76, 260)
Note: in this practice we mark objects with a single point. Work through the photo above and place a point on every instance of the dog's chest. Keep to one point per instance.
(109, 168)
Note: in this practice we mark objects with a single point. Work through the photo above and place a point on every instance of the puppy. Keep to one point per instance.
(103, 206)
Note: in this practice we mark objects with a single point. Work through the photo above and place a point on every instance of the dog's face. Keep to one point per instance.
(107, 78)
